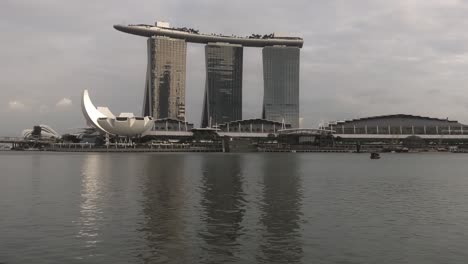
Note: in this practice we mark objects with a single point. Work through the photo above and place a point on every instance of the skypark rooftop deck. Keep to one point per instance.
(192, 35)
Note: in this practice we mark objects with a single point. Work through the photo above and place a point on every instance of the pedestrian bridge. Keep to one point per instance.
(12, 140)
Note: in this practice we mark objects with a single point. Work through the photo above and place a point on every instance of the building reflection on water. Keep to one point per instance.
(36, 175)
(163, 226)
(193, 208)
(91, 205)
(281, 211)
(223, 207)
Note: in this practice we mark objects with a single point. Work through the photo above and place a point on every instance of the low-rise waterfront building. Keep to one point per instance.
(253, 126)
(399, 124)
(171, 124)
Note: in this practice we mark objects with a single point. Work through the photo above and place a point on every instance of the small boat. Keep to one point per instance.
(375, 155)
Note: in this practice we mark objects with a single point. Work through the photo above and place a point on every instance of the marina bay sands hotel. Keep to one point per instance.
(165, 77)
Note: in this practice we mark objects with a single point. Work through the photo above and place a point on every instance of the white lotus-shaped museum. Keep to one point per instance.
(126, 124)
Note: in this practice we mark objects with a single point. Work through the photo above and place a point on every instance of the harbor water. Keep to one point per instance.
(233, 208)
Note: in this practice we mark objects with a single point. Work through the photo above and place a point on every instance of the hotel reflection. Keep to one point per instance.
(90, 222)
(223, 206)
(281, 211)
(163, 226)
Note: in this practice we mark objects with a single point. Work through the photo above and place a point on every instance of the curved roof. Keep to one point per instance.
(403, 116)
(195, 37)
(305, 131)
(254, 121)
(48, 129)
(46, 132)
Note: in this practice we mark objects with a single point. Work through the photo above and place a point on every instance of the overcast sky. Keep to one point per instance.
(360, 58)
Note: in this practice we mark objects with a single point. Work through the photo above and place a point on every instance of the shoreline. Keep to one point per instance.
(149, 150)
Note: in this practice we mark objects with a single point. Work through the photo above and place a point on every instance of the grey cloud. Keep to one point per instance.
(360, 57)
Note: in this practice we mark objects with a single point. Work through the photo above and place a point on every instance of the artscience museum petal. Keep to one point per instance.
(126, 124)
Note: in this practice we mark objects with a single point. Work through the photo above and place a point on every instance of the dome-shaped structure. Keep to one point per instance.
(126, 124)
(46, 132)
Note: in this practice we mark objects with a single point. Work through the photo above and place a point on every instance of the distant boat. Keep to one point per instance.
(375, 155)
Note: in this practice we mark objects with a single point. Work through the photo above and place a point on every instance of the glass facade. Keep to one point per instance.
(165, 78)
(281, 84)
(223, 87)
